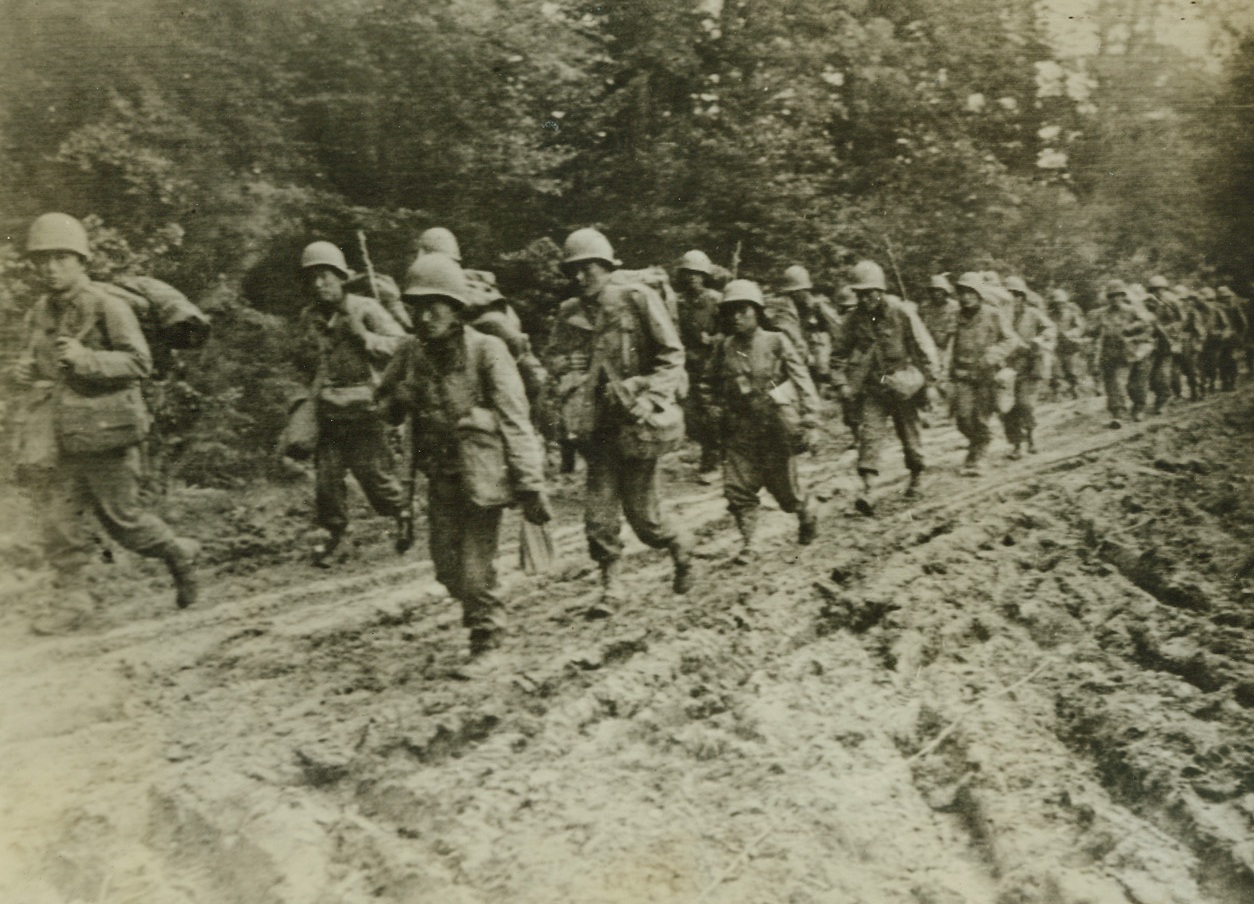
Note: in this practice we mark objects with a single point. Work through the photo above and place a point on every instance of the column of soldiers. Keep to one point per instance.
(447, 361)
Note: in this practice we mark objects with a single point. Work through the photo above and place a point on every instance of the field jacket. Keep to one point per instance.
(871, 345)
(469, 414)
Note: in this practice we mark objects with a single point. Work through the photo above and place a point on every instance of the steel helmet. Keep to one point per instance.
(1208, 294)
(324, 254)
(845, 298)
(588, 244)
(1225, 292)
(867, 275)
(796, 279)
(1158, 282)
(1116, 287)
(697, 262)
(1016, 284)
(974, 281)
(1183, 291)
(941, 281)
(57, 232)
(438, 240)
(1059, 296)
(742, 290)
(435, 275)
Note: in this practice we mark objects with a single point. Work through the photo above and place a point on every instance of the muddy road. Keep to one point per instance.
(1034, 686)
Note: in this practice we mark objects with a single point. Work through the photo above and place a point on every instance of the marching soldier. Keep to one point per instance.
(1124, 340)
(939, 314)
(473, 439)
(1031, 364)
(618, 363)
(357, 339)
(698, 329)
(883, 359)
(768, 409)
(80, 369)
(1070, 352)
(983, 342)
(1164, 378)
(1235, 339)
(818, 321)
(1193, 331)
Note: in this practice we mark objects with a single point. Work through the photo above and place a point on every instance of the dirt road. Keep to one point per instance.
(1035, 686)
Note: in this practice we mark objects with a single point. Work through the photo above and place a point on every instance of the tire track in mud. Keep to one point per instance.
(392, 748)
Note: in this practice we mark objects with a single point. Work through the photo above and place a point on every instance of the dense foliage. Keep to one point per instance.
(209, 142)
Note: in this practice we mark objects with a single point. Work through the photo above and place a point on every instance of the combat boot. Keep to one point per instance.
(807, 522)
(1031, 443)
(404, 532)
(747, 522)
(180, 558)
(1016, 452)
(611, 592)
(681, 555)
(863, 503)
(323, 551)
(974, 466)
(484, 639)
(914, 487)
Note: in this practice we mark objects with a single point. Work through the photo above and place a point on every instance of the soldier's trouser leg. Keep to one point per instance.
(463, 539)
(1186, 366)
(1228, 368)
(1208, 364)
(1138, 384)
(330, 472)
(742, 479)
(909, 431)
(1160, 379)
(368, 454)
(872, 415)
(106, 484)
(1115, 382)
(971, 413)
(618, 486)
(1020, 421)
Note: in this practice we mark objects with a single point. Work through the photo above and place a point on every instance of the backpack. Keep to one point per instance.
(169, 320)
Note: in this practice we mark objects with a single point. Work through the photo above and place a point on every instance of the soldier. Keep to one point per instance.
(883, 359)
(357, 339)
(939, 314)
(1164, 378)
(1123, 340)
(698, 329)
(619, 363)
(818, 321)
(768, 409)
(82, 362)
(473, 439)
(846, 304)
(438, 240)
(1069, 355)
(1193, 330)
(1031, 365)
(1217, 335)
(983, 342)
(1235, 340)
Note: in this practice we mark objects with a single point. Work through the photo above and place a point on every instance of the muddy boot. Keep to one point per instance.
(863, 504)
(681, 555)
(747, 523)
(484, 639)
(1031, 443)
(975, 463)
(180, 558)
(1016, 452)
(611, 592)
(914, 488)
(404, 532)
(323, 552)
(807, 522)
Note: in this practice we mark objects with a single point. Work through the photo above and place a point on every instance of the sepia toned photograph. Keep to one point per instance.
(671, 451)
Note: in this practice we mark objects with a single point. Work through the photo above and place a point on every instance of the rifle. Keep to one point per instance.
(892, 259)
(735, 261)
(365, 256)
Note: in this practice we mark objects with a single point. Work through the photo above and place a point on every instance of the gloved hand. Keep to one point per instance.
(535, 507)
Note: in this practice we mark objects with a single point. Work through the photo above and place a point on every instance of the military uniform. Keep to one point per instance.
(1164, 377)
(872, 345)
(356, 343)
(941, 319)
(698, 331)
(757, 453)
(605, 353)
(983, 342)
(474, 441)
(1124, 342)
(113, 360)
(1070, 350)
(1039, 336)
